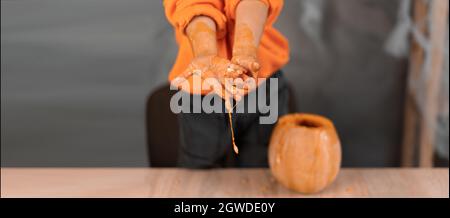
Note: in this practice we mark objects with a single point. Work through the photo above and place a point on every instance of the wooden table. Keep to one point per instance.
(149, 182)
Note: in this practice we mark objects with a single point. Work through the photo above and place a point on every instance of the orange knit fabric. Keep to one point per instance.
(273, 52)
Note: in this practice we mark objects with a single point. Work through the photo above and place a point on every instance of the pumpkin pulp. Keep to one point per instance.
(235, 148)
(230, 120)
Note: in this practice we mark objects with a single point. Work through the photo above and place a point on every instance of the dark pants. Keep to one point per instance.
(206, 138)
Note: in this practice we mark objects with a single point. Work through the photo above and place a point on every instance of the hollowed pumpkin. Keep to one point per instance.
(305, 152)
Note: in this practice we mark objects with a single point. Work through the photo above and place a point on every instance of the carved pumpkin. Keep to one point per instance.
(305, 152)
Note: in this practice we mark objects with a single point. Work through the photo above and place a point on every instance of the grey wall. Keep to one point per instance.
(76, 74)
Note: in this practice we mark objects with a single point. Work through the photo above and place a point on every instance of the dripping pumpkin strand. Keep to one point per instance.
(230, 119)
(235, 148)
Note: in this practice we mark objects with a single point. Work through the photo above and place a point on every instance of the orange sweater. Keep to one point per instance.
(273, 52)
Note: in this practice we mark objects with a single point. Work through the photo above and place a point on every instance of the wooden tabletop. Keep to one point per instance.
(152, 182)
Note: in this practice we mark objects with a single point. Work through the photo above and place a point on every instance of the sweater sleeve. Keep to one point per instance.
(181, 12)
(275, 7)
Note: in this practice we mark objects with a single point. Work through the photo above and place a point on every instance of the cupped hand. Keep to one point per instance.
(220, 69)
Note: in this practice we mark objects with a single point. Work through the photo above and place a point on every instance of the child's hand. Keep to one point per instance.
(220, 69)
(245, 52)
(251, 17)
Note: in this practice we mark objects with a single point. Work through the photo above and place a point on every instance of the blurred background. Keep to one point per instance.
(76, 76)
